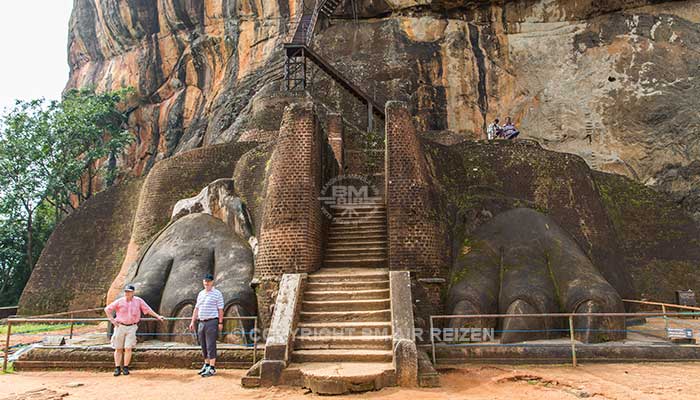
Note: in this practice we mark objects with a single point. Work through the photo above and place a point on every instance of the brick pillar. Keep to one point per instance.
(335, 137)
(291, 232)
(417, 233)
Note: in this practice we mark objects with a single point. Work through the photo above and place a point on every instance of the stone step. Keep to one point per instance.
(346, 305)
(336, 295)
(342, 342)
(356, 255)
(353, 236)
(352, 250)
(352, 243)
(344, 328)
(358, 263)
(345, 316)
(336, 355)
(355, 249)
(346, 285)
(250, 382)
(366, 206)
(368, 227)
(359, 255)
(348, 274)
(363, 219)
(379, 211)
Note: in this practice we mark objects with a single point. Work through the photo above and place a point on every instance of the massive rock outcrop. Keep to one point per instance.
(612, 81)
(603, 80)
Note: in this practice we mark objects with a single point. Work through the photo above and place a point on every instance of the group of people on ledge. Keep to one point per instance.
(507, 131)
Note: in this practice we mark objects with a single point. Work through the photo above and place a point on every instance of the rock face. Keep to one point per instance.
(612, 81)
(603, 80)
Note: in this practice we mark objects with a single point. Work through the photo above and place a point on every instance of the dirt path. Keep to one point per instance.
(599, 381)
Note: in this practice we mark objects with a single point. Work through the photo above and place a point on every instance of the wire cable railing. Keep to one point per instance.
(566, 329)
(246, 335)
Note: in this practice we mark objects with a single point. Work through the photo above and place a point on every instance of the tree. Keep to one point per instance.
(89, 130)
(50, 153)
(24, 163)
(14, 269)
(12, 259)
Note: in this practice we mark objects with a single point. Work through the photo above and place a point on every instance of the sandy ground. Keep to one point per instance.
(597, 381)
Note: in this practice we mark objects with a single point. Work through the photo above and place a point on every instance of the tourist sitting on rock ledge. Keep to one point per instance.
(509, 130)
(494, 130)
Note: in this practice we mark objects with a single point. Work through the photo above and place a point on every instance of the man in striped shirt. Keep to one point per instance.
(209, 315)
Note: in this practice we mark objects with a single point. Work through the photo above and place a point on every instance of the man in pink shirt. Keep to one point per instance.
(128, 311)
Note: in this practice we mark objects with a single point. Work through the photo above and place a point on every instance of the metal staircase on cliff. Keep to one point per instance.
(298, 51)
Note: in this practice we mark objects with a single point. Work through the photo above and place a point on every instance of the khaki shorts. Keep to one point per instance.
(124, 337)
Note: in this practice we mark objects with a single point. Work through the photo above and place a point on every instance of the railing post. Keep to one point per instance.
(432, 340)
(71, 326)
(573, 341)
(255, 340)
(663, 310)
(7, 345)
(370, 117)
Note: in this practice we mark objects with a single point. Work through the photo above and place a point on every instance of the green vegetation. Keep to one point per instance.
(33, 328)
(10, 368)
(53, 156)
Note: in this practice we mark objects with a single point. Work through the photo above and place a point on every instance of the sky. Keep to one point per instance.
(33, 49)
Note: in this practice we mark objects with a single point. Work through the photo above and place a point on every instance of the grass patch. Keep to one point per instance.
(10, 368)
(33, 328)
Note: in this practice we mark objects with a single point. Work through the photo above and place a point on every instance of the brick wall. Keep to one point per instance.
(181, 177)
(292, 222)
(418, 240)
(83, 254)
(293, 226)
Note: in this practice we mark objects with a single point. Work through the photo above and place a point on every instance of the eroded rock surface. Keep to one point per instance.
(523, 262)
(169, 275)
(614, 82)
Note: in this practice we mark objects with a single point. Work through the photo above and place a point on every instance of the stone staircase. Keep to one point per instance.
(344, 336)
(357, 236)
(348, 316)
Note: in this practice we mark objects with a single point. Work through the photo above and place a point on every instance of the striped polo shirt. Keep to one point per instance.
(209, 304)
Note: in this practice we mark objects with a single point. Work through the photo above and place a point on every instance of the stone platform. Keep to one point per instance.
(340, 377)
(145, 356)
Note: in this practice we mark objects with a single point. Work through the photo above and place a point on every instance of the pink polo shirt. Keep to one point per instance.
(128, 312)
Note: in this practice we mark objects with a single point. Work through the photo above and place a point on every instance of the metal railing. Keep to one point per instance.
(570, 329)
(664, 307)
(72, 321)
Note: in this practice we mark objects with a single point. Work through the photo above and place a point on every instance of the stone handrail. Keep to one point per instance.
(403, 330)
(280, 339)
